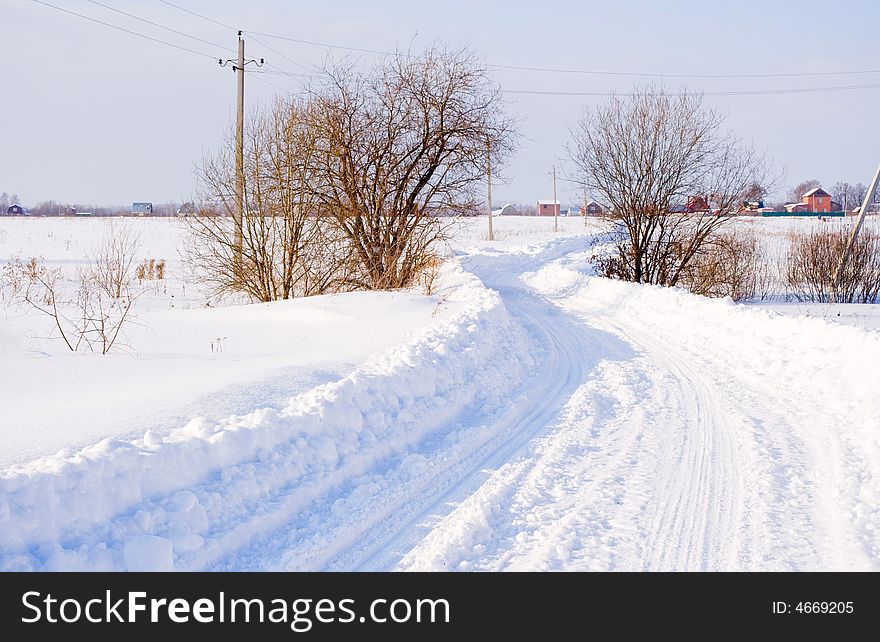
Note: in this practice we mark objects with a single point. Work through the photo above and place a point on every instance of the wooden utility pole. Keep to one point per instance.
(866, 204)
(239, 156)
(489, 187)
(240, 209)
(555, 204)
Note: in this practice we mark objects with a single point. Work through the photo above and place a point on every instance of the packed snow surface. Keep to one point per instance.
(527, 415)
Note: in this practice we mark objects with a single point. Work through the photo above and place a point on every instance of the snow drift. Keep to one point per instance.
(181, 500)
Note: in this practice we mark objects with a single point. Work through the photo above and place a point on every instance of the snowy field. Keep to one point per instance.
(526, 415)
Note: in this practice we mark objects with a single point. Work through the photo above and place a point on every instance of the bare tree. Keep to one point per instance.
(800, 189)
(755, 192)
(858, 193)
(849, 195)
(648, 155)
(400, 149)
(841, 192)
(286, 251)
(352, 187)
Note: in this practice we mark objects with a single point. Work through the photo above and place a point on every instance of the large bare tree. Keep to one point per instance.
(797, 192)
(400, 149)
(285, 251)
(672, 174)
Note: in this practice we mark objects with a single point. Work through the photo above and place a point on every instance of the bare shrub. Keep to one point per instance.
(428, 273)
(670, 172)
(813, 257)
(150, 270)
(730, 263)
(87, 318)
(17, 273)
(112, 261)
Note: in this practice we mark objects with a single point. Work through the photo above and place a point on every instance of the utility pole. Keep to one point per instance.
(239, 156)
(240, 209)
(869, 198)
(489, 187)
(555, 203)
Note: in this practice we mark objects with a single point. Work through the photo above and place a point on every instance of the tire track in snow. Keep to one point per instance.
(736, 489)
(376, 521)
(699, 492)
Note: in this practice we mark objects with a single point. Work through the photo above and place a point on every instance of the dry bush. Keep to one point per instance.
(112, 261)
(814, 256)
(17, 273)
(88, 318)
(730, 263)
(428, 273)
(150, 270)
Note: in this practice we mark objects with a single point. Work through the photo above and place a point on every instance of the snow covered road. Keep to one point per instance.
(557, 422)
(715, 447)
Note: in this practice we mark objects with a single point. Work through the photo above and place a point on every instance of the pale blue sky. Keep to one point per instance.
(90, 114)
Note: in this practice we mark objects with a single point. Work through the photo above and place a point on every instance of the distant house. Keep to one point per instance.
(187, 209)
(752, 206)
(15, 210)
(796, 208)
(594, 209)
(141, 209)
(508, 210)
(818, 200)
(548, 208)
(697, 204)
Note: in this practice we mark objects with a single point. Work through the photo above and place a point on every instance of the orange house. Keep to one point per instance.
(817, 200)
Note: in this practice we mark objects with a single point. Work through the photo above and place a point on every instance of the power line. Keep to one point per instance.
(271, 84)
(198, 15)
(129, 31)
(558, 70)
(753, 92)
(156, 24)
(327, 45)
(594, 72)
(561, 70)
(290, 60)
(279, 71)
(222, 24)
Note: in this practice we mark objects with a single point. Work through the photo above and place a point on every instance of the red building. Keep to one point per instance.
(817, 200)
(697, 204)
(548, 208)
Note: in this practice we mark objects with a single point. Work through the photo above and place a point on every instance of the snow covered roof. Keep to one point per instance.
(548, 202)
(816, 191)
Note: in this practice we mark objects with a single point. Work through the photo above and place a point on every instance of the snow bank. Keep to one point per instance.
(184, 498)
